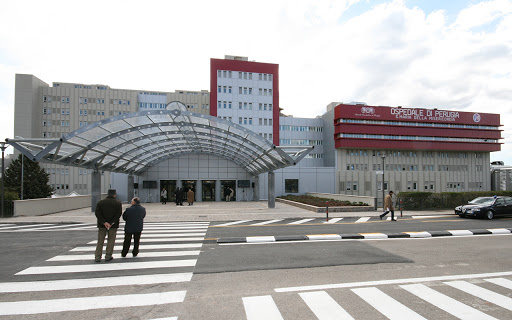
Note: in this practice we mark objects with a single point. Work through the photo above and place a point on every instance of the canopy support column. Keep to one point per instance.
(256, 189)
(271, 190)
(217, 190)
(131, 189)
(95, 188)
(199, 191)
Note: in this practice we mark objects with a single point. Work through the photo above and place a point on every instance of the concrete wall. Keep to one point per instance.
(39, 207)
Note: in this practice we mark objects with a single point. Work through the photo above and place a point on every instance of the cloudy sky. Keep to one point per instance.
(414, 53)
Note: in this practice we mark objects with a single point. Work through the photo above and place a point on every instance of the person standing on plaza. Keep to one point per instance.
(179, 196)
(108, 212)
(134, 217)
(163, 194)
(190, 197)
(388, 206)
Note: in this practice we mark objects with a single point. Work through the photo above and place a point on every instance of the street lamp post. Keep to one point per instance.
(383, 156)
(3, 147)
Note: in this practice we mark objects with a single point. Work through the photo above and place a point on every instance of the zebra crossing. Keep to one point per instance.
(11, 227)
(480, 296)
(48, 227)
(167, 257)
(299, 221)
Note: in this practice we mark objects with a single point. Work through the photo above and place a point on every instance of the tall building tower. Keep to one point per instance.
(246, 93)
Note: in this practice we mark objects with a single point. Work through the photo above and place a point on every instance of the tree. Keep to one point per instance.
(35, 179)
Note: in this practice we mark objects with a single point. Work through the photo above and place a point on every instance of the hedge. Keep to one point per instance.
(320, 202)
(443, 200)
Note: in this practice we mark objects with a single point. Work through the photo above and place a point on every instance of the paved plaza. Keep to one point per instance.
(211, 211)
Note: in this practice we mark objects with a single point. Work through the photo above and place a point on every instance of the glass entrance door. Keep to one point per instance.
(225, 185)
(208, 190)
(188, 184)
(170, 186)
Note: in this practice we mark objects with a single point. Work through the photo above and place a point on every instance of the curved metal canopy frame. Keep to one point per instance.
(134, 142)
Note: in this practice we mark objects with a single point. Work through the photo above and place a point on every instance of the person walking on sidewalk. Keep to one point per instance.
(134, 217)
(388, 206)
(108, 211)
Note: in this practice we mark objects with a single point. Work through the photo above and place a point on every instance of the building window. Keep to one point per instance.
(291, 185)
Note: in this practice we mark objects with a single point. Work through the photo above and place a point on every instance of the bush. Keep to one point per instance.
(321, 202)
(443, 200)
(9, 197)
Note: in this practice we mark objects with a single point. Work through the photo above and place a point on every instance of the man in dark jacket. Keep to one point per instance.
(108, 211)
(134, 217)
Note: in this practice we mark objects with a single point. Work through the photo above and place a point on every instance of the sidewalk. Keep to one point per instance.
(211, 211)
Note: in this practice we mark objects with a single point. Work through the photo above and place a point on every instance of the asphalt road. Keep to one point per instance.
(350, 225)
(263, 280)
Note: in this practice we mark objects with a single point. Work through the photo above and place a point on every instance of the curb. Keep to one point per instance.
(366, 236)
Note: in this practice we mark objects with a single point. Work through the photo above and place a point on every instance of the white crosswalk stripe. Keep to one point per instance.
(76, 271)
(386, 305)
(324, 306)
(444, 302)
(88, 303)
(334, 220)
(147, 240)
(261, 308)
(266, 222)
(301, 221)
(363, 219)
(232, 223)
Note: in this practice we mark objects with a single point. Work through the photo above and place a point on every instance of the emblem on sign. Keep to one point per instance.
(477, 117)
(369, 110)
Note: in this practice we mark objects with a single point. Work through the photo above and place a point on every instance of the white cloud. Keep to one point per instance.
(388, 55)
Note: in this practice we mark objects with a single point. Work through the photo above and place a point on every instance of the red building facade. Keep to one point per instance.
(362, 126)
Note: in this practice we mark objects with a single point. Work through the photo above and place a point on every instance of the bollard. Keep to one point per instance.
(327, 209)
(401, 213)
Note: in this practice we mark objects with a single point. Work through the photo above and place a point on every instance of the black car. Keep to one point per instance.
(487, 207)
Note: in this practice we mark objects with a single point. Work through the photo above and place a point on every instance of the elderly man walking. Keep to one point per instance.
(134, 217)
(108, 211)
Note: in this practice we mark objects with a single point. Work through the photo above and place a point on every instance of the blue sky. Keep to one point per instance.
(453, 54)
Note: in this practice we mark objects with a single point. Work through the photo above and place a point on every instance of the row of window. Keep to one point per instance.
(81, 86)
(419, 124)
(244, 90)
(244, 75)
(410, 154)
(300, 142)
(84, 100)
(411, 167)
(244, 105)
(315, 156)
(417, 138)
(411, 185)
(300, 128)
(266, 135)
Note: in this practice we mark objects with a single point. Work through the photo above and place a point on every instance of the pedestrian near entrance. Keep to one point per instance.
(388, 206)
(108, 212)
(163, 194)
(134, 217)
(179, 196)
(190, 197)
(229, 194)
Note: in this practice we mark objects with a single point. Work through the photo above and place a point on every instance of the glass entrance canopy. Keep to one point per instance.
(132, 143)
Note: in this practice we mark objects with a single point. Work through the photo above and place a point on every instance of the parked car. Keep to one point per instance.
(487, 207)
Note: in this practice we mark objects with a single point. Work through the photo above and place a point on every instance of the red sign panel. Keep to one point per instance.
(364, 112)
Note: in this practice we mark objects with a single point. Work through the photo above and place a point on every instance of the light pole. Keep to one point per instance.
(2, 146)
(383, 156)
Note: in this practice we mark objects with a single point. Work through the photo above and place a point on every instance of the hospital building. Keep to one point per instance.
(358, 149)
